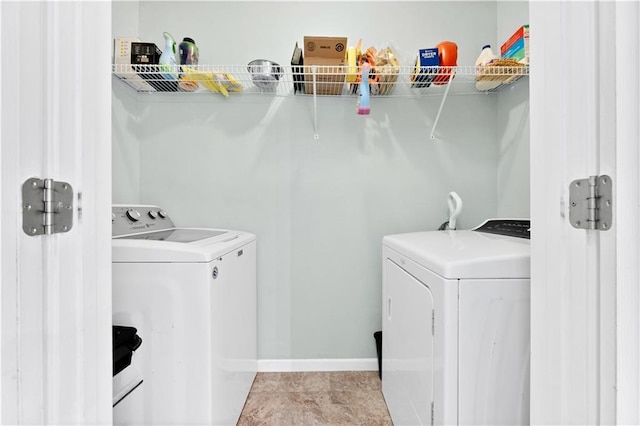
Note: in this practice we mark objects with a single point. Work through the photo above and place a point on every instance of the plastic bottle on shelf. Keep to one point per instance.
(448, 54)
(486, 57)
(168, 58)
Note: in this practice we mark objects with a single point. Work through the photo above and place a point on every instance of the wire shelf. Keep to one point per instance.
(403, 81)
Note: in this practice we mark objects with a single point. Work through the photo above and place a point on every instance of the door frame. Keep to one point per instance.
(547, 387)
(627, 65)
(585, 300)
(55, 309)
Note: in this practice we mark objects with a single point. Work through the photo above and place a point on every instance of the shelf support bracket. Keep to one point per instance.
(432, 136)
(315, 104)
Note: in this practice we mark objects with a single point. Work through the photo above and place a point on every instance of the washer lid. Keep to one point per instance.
(176, 235)
(177, 245)
(465, 254)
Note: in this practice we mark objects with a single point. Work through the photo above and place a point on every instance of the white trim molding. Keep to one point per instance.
(627, 67)
(291, 365)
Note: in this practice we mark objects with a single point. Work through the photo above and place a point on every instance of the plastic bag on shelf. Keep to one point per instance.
(215, 81)
(385, 68)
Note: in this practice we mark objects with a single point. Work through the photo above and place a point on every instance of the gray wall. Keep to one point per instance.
(124, 116)
(513, 125)
(319, 207)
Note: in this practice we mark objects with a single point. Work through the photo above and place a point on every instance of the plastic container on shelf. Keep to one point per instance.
(448, 53)
(486, 57)
(188, 52)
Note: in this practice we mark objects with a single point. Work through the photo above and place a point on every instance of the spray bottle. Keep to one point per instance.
(363, 99)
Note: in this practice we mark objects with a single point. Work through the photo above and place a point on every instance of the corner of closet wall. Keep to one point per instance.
(513, 125)
(124, 110)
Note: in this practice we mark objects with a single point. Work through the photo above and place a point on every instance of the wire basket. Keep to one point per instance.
(503, 70)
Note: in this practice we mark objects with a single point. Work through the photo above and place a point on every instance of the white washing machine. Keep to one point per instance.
(455, 326)
(191, 295)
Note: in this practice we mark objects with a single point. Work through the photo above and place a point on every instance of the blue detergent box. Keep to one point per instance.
(518, 51)
(426, 67)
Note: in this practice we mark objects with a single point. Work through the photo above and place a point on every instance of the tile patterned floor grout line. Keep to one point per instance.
(316, 398)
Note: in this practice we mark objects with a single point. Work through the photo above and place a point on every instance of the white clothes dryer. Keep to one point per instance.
(455, 326)
(191, 294)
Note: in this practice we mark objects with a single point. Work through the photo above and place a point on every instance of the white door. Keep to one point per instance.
(56, 290)
(584, 296)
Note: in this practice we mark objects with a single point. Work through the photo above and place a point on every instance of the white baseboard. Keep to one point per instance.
(290, 365)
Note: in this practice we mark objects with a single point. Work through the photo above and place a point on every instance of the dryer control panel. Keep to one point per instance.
(138, 218)
(510, 227)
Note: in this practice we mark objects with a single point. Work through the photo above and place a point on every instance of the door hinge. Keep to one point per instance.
(591, 203)
(432, 412)
(47, 207)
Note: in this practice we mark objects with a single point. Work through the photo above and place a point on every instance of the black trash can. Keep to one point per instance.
(378, 336)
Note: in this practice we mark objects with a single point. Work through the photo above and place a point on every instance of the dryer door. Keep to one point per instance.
(407, 340)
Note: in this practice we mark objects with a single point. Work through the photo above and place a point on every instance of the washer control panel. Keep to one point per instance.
(510, 227)
(134, 219)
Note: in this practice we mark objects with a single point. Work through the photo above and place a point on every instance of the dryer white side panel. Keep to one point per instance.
(494, 342)
(407, 347)
(233, 332)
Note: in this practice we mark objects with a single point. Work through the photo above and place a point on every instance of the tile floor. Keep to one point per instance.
(316, 398)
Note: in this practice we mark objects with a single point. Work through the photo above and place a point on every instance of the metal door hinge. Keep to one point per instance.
(47, 207)
(432, 412)
(591, 203)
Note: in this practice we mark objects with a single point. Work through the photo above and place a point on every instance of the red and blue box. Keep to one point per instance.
(517, 46)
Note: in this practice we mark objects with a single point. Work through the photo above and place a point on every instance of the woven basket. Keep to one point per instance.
(503, 70)
(388, 76)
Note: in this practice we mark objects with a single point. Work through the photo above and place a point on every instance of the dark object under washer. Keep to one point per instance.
(125, 342)
(378, 336)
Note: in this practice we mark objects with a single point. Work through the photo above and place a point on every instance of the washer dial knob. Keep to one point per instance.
(152, 214)
(162, 214)
(133, 215)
